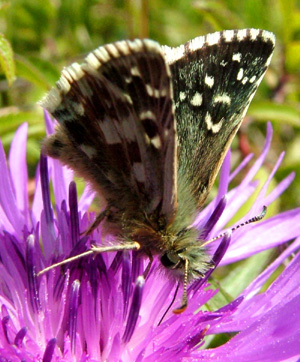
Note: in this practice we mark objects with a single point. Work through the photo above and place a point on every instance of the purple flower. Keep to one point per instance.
(100, 307)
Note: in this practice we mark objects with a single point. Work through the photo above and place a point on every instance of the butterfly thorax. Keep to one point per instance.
(173, 242)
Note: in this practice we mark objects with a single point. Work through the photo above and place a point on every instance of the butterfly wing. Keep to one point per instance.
(116, 125)
(214, 78)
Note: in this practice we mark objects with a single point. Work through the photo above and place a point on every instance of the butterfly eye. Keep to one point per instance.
(171, 260)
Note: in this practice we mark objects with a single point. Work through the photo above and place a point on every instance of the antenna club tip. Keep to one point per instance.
(137, 245)
(180, 310)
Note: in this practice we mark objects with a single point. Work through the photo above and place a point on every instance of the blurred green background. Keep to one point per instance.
(38, 38)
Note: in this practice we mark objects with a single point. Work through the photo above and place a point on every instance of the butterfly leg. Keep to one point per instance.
(148, 267)
(97, 221)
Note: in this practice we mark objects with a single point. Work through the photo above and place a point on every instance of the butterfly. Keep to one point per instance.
(148, 127)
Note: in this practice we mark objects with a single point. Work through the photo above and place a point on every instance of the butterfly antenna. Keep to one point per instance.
(94, 250)
(184, 301)
(250, 221)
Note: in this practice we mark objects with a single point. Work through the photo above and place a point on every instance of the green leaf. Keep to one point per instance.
(7, 60)
(28, 70)
(246, 271)
(292, 154)
(11, 118)
(293, 57)
(287, 10)
(268, 111)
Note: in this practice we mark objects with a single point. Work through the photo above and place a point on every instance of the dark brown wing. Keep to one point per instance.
(214, 78)
(116, 125)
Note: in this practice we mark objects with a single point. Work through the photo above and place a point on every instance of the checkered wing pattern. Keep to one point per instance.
(116, 125)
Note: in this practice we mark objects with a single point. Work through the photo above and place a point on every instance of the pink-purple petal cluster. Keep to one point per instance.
(101, 308)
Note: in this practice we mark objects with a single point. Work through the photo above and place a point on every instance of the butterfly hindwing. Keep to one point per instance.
(214, 79)
(116, 125)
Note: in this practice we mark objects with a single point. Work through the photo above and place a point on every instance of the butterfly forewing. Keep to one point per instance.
(214, 79)
(116, 125)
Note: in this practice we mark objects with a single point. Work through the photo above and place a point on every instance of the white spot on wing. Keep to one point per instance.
(122, 47)
(209, 81)
(153, 92)
(127, 98)
(147, 115)
(237, 57)
(266, 35)
(252, 79)
(254, 33)
(173, 54)
(240, 74)
(63, 84)
(241, 34)
(66, 76)
(112, 49)
(156, 142)
(245, 80)
(93, 61)
(135, 72)
(222, 98)
(102, 54)
(75, 70)
(228, 35)
(150, 90)
(135, 45)
(213, 39)
(197, 99)
(128, 79)
(215, 128)
(152, 45)
(182, 96)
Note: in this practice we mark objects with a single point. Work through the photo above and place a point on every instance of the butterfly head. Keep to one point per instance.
(185, 249)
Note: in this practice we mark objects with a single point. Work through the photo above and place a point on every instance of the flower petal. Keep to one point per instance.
(18, 169)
